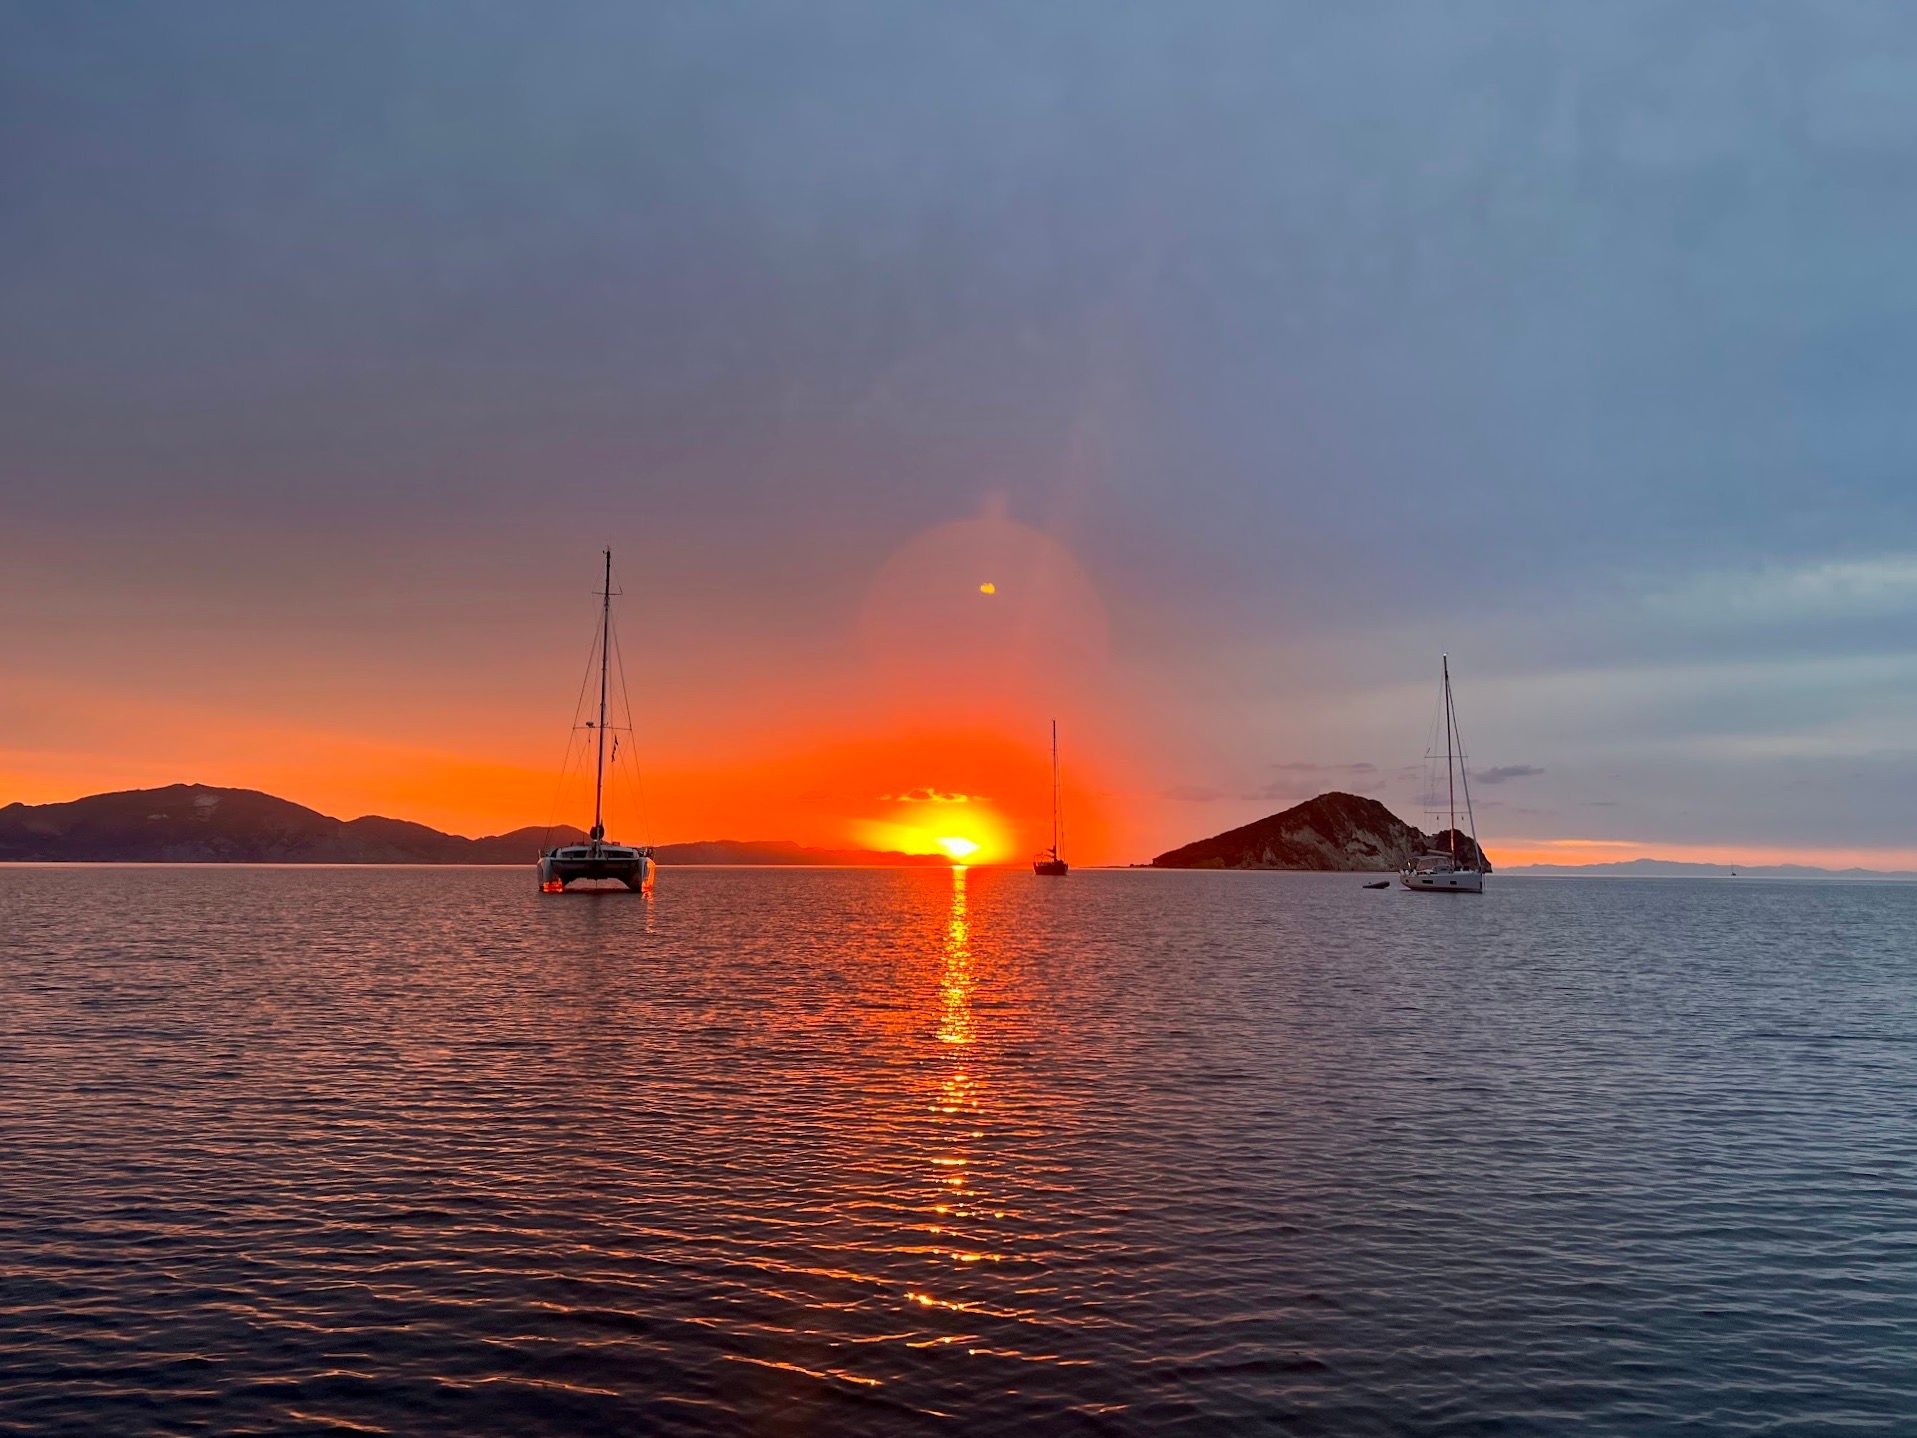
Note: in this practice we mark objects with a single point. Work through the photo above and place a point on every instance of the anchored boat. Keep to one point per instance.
(1050, 864)
(1446, 871)
(599, 857)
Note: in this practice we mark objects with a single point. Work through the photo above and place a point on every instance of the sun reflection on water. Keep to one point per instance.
(957, 1101)
(957, 1104)
(955, 981)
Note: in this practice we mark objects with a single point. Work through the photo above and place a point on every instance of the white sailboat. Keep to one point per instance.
(599, 857)
(1446, 871)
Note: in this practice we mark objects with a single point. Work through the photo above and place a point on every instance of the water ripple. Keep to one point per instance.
(403, 1151)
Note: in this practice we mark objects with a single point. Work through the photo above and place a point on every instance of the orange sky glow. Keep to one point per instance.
(927, 734)
(913, 715)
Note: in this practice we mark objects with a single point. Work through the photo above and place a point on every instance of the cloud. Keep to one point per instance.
(1295, 784)
(1194, 793)
(1868, 588)
(926, 795)
(1507, 771)
(1289, 791)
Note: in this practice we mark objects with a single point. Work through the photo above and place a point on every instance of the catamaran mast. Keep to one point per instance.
(605, 644)
(1450, 781)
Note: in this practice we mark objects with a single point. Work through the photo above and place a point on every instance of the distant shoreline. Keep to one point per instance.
(206, 824)
(1682, 869)
(934, 867)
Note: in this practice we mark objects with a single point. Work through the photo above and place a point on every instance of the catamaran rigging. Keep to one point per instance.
(598, 857)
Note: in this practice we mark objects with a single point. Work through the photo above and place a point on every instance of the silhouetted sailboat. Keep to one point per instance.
(1053, 866)
(1444, 872)
(598, 857)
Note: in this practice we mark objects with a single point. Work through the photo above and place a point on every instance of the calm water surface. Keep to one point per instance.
(790, 1152)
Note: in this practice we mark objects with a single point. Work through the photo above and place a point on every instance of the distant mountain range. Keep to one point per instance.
(201, 824)
(1333, 831)
(1674, 869)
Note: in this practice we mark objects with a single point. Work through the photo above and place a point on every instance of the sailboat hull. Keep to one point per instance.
(1457, 881)
(1051, 868)
(635, 871)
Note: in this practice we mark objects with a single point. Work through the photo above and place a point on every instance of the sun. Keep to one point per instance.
(958, 846)
(988, 588)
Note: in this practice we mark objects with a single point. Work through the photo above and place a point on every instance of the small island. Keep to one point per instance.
(1344, 833)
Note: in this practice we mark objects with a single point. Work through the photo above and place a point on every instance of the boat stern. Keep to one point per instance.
(632, 867)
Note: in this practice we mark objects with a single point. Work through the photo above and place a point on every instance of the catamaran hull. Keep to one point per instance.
(1461, 882)
(556, 874)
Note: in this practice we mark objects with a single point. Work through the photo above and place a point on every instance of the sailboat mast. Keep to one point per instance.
(605, 644)
(1055, 788)
(1450, 780)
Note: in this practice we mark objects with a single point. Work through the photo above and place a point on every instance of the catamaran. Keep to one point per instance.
(1445, 871)
(599, 857)
(1049, 863)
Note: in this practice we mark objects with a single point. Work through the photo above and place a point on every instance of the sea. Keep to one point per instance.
(778, 1151)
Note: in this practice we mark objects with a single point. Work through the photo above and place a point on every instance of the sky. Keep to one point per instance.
(1256, 355)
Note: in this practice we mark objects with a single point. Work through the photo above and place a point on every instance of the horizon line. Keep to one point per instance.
(1518, 852)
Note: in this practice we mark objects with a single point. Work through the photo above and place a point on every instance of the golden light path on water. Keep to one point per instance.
(957, 1102)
